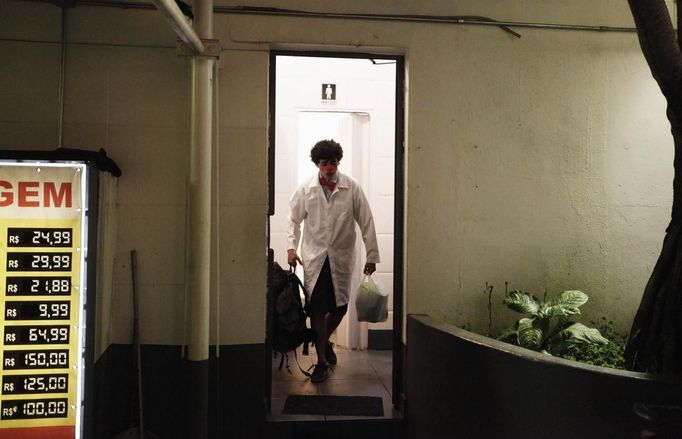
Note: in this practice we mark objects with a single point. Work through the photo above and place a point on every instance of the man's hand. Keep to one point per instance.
(370, 268)
(292, 257)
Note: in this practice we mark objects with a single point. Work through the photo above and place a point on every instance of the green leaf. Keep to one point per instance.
(545, 311)
(565, 304)
(574, 298)
(529, 333)
(578, 331)
(523, 302)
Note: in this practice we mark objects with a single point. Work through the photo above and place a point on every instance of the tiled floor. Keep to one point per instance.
(358, 373)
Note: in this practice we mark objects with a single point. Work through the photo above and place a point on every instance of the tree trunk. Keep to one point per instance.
(655, 341)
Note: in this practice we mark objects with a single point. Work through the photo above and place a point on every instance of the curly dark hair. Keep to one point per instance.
(326, 149)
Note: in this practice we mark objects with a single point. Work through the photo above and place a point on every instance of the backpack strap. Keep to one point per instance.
(306, 373)
(281, 361)
(306, 307)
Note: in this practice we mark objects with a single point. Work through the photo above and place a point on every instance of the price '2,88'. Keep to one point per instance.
(50, 285)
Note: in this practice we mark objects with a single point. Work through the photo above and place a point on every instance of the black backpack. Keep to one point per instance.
(290, 315)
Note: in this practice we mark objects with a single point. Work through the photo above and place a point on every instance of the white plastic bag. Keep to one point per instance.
(372, 301)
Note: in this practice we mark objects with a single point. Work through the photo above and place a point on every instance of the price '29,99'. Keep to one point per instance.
(42, 261)
(51, 262)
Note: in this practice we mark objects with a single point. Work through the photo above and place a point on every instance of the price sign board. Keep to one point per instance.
(42, 289)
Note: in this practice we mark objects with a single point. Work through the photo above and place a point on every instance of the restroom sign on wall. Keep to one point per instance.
(42, 278)
(328, 93)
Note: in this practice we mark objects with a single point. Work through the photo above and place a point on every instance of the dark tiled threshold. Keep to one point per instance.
(358, 373)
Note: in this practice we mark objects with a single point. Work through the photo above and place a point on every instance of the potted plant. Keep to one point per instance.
(547, 327)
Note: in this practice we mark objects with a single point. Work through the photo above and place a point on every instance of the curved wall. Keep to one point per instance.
(461, 384)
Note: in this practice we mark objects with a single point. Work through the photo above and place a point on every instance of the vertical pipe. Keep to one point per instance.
(215, 255)
(214, 377)
(62, 67)
(199, 243)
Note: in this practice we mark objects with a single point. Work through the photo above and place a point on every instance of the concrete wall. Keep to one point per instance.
(544, 161)
(482, 388)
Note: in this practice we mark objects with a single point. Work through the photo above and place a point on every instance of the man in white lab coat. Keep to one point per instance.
(329, 205)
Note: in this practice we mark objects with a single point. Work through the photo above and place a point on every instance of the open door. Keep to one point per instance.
(364, 112)
(354, 136)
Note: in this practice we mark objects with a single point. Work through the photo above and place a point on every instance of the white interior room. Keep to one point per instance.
(360, 116)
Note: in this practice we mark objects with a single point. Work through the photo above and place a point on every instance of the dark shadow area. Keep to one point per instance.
(460, 384)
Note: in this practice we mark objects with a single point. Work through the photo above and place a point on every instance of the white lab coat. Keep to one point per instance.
(329, 230)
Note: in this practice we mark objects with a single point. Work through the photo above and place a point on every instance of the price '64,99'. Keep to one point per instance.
(36, 334)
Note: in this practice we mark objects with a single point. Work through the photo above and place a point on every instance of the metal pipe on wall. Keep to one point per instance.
(198, 246)
(200, 173)
(444, 19)
(62, 68)
(179, 23)
(455, 20)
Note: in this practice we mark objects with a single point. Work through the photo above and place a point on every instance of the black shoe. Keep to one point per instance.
(329, 353)
(319, 373)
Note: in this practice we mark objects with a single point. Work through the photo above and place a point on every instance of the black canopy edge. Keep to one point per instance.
(98, 158)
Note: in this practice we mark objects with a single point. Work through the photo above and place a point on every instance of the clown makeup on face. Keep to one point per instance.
(328, 167)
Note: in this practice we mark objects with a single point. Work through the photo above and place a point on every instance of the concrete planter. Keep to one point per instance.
(464, 385)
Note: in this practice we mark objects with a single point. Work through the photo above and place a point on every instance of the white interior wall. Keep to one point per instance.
(544, 161)
(362, 87)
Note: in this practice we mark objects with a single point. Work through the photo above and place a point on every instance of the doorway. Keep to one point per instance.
(357, 100)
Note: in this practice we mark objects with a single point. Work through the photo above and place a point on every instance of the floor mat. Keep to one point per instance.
(333, 405)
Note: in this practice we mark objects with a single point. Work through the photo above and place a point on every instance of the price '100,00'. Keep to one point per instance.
(44, 408)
